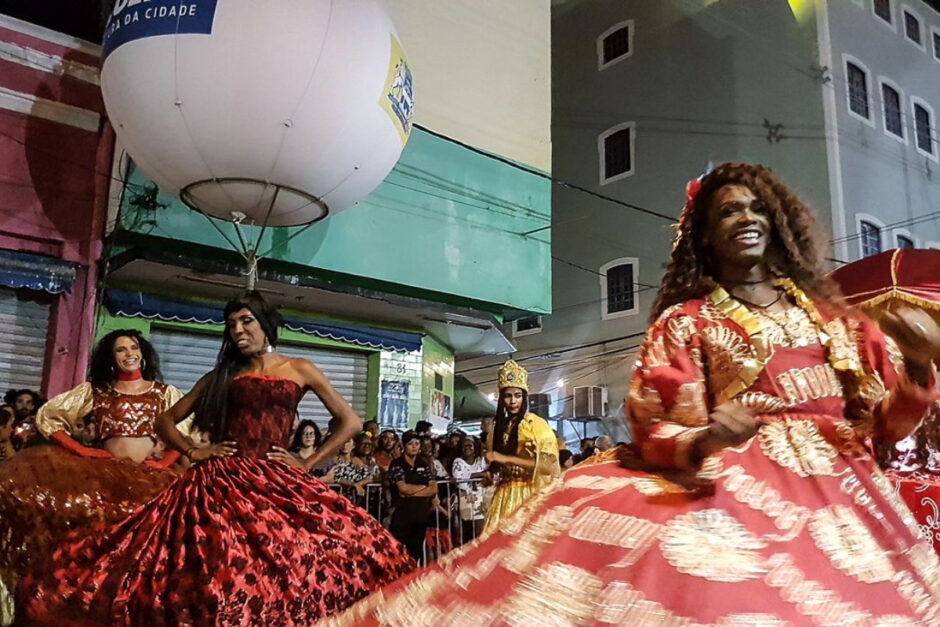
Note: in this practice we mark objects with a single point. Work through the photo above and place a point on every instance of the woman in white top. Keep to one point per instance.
(472, 477)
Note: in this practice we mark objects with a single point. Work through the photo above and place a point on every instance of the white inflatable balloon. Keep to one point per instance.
(284, 111)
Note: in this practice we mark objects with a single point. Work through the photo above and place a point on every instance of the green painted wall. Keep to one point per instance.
(105, 323)
(373, 388)
(446, 219)
(399, 366)
(436, 359)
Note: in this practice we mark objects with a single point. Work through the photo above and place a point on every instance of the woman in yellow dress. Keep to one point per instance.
(522, 444)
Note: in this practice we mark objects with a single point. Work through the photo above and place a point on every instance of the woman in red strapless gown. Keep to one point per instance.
(246, 536)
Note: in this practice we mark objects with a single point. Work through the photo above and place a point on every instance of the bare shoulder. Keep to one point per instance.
(306, 369)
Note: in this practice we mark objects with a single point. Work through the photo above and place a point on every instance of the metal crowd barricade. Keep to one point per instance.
(376, 493)
(457, 498)
(472, 500)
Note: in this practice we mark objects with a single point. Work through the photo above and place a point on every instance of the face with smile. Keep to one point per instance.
(512, 399)
(246, 332)
(739, 228)
(127, 355)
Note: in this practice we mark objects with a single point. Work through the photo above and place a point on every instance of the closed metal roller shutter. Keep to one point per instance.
(186, 356)
(23, 327)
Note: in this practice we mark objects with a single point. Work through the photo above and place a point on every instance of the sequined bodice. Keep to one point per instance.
(262, 411)
(128, 415)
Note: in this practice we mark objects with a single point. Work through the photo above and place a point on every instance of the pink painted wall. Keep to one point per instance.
(54, 181)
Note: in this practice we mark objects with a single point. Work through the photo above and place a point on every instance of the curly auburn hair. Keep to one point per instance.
(794, 250)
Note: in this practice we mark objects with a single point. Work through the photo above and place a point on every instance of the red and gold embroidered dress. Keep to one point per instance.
(47, 492)
(794, 527)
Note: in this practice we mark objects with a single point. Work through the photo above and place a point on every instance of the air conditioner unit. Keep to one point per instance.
(540, 404)
(588, 401)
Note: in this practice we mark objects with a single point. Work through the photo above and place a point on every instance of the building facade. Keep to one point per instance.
(386, 295)
(647, 95)
(55, 159)
(881, 124)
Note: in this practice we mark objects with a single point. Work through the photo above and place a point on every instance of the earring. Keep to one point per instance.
(143, 364)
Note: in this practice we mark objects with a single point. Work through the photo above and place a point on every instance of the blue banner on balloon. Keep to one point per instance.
(135, 19)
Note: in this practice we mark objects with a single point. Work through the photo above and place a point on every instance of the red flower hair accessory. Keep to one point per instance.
(692, 189)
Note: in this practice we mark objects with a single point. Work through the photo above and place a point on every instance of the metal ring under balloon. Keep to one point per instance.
(186, 196)
(249, 252)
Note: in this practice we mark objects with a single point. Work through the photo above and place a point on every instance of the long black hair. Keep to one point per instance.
(211, 415)
(503, 423)
(298, 442)
(103, 370)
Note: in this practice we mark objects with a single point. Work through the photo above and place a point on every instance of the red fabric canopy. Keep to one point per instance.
(881, 283)
(897, 276)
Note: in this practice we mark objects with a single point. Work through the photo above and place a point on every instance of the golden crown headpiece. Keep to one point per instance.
(512, 375)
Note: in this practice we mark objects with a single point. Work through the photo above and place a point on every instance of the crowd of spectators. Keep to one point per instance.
(431, 491)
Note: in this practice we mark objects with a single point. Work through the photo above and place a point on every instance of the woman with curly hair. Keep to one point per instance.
(103, 461)
(749, 496)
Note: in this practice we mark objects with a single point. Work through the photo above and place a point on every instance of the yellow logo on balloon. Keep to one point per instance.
(398, 98)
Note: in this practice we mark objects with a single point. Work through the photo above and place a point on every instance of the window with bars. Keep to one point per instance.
(923, 127)
(616, 147)
(620, 288)
(912, 27)
(858, 89)
(870, 237)
(904, 241)
(617, 44)
(882, 9)
(891, 101)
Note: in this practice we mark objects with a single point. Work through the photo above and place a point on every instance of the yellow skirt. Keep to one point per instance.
(507, 499)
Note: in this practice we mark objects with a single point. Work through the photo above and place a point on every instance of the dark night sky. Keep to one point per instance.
(82, 18)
